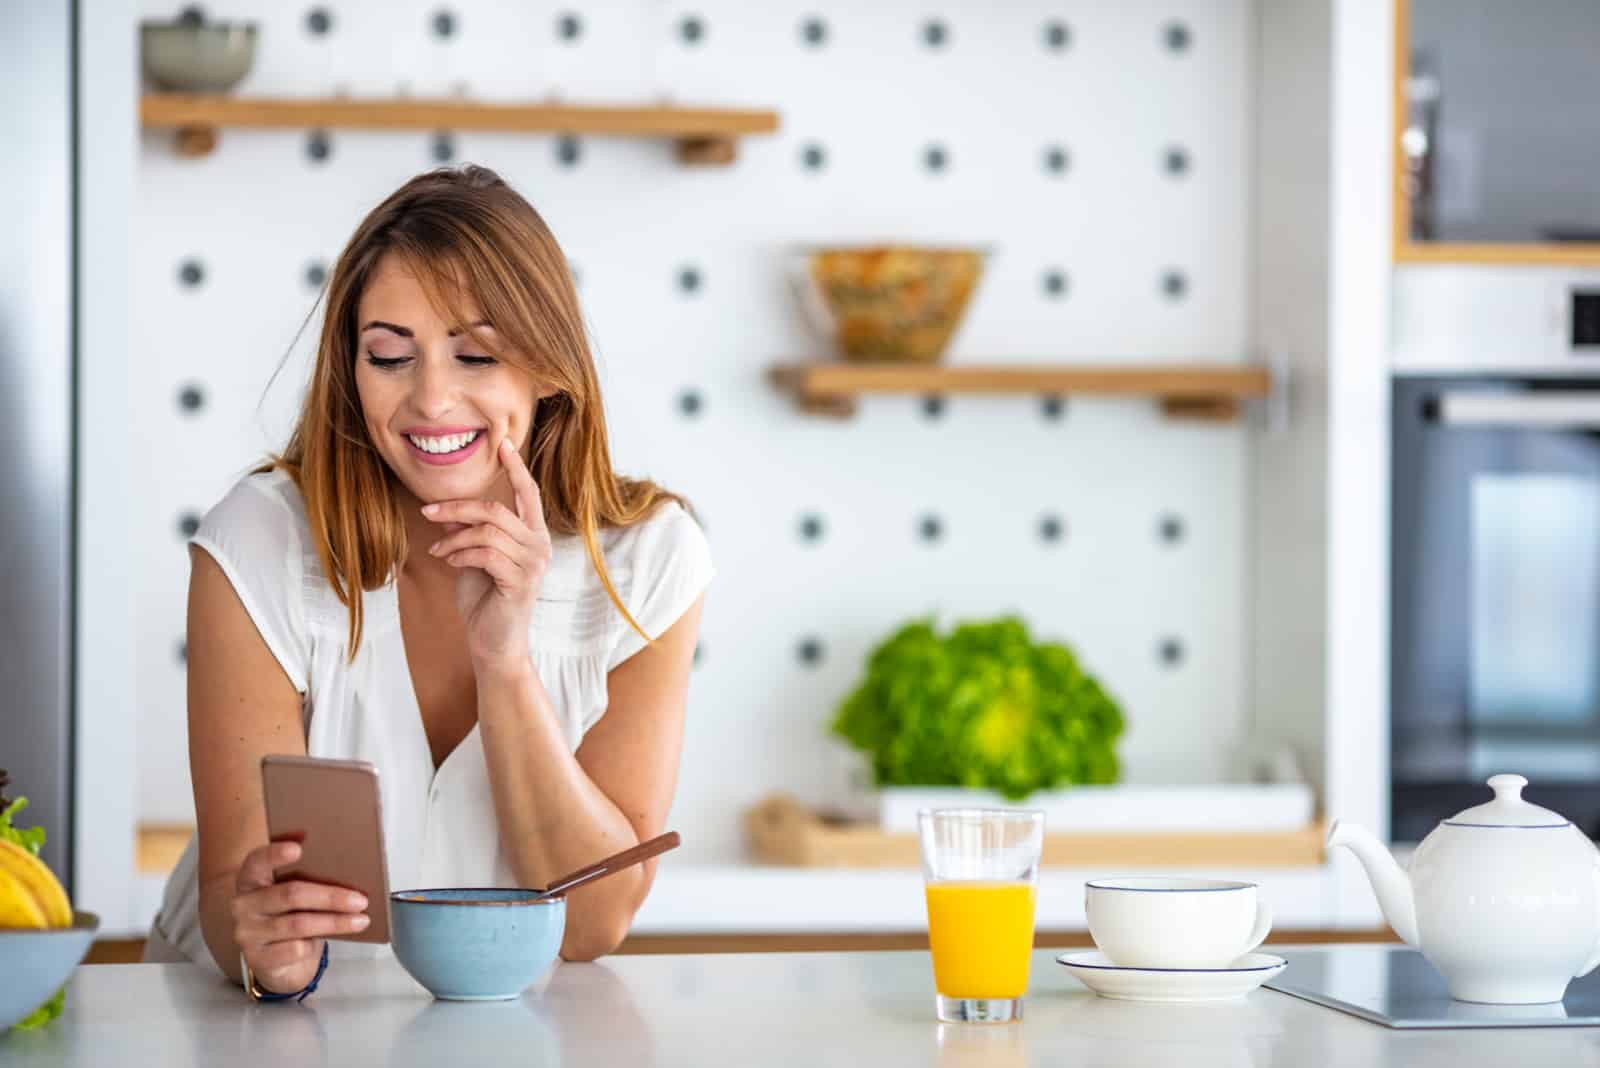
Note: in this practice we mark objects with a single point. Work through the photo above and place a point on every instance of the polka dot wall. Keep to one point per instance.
(1101, 151)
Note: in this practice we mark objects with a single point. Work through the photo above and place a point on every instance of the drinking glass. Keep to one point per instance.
(981, 872)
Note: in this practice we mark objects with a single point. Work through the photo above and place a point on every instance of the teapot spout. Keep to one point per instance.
(1389, 881)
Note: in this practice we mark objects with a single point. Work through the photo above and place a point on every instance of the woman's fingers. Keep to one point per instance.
(484, 537)
(530, 504)
(261, 864)
(480, 513)
(300, 896)
(506, 573)
(292, 926)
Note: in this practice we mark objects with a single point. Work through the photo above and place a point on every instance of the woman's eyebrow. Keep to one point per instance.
(405, 331)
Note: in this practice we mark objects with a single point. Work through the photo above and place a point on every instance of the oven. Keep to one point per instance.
(1494, 594)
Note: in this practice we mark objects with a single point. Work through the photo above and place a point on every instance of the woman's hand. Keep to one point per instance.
(503, 556)
(279, 927)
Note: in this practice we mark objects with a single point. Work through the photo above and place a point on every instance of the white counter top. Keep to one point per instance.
(747, 899)
(803, 1009)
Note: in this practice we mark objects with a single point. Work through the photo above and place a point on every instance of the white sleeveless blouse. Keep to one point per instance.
(440, 828)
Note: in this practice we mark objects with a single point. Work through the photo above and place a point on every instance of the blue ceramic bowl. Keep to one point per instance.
(37, 963)
(476, 945)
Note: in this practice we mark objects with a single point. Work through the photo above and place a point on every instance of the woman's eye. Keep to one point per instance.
(477, 361)
(385, 363)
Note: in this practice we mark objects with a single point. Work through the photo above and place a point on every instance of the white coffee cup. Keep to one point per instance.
(1160, 922)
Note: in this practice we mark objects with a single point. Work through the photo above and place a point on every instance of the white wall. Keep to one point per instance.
(258, 212)
(108, 721)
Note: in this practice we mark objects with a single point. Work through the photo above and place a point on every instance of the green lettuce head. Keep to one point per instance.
(985, 707)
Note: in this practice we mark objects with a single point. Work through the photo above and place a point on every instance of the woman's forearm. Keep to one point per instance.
(553, 818)
(216, 924)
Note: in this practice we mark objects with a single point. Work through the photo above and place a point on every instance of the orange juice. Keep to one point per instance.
(982, 936)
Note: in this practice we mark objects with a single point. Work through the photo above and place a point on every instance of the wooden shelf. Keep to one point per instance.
(159, 845)
(1185, 391)
(781, 831)
(703, 135)
(1575, 254)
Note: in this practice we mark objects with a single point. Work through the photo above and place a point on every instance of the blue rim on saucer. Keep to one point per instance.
(1067, 959)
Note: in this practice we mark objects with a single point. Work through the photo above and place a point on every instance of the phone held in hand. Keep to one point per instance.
(334, 809)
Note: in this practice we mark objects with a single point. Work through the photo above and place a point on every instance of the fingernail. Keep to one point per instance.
(430, 509)
(433, 550)
(355, 901)
(361, 921)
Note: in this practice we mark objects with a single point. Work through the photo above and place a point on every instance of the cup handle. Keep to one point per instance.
(1258, 934)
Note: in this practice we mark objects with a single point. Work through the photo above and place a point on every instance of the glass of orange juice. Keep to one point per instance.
(981, 872)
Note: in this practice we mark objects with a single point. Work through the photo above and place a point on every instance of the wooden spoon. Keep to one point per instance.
(613, 864)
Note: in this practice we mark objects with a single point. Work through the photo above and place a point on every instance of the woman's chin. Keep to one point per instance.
(446, 484)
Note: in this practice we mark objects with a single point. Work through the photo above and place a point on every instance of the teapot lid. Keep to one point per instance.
(1508, 809)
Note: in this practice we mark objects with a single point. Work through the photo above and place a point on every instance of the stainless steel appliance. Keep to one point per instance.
(1495, 591)
(37, 361)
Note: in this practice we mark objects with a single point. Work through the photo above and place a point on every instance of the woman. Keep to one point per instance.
(441, 575)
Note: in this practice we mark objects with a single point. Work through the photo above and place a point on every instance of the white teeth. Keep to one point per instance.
(448, 443)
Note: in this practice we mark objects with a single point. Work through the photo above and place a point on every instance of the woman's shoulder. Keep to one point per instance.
(261, 509)
(255, 533)
(667, 531)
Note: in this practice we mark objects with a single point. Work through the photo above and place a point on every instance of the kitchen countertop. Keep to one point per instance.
(805, 1009)
(773, 1009)
(751, 899)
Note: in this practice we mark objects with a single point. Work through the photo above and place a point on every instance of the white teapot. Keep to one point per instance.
(1503, 898)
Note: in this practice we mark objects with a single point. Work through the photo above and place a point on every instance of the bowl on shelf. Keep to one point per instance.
(38, 963)
(887, 303)
(476, 944)
(191, 56)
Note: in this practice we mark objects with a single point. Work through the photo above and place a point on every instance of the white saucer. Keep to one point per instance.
(1096, 972)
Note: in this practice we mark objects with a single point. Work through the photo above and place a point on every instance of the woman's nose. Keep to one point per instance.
(433, 389)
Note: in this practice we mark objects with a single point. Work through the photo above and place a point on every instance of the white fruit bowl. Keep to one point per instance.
(37, 963)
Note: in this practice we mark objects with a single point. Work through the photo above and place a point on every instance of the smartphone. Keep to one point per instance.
(333, 808)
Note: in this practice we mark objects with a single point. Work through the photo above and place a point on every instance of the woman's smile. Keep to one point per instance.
(443, 445)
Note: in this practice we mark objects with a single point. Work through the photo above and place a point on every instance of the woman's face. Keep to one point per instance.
(436, 404)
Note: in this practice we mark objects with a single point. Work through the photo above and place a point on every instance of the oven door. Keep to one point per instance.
(1495, 595)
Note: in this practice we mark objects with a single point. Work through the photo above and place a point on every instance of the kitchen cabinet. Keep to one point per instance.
(1497, 146)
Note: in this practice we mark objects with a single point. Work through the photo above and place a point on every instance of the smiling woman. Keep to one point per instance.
(443, 576)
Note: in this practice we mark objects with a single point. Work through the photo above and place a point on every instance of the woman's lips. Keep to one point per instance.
(444, 459)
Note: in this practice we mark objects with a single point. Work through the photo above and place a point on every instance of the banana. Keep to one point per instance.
(18, 908)
(39, 882)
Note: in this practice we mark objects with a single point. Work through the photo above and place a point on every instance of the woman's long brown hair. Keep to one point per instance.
(459, 231)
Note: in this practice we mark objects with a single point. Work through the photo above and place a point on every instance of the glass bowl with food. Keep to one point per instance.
(887, 302)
